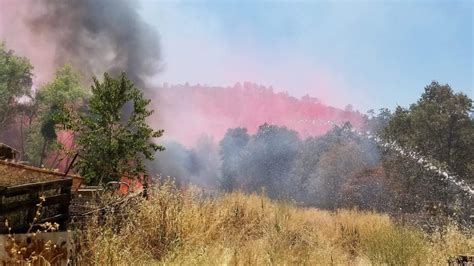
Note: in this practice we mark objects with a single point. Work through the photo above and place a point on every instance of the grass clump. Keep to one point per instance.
(394, 246)
(183, 227)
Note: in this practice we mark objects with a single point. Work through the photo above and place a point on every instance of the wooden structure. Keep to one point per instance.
(31, 196)
(7, 152)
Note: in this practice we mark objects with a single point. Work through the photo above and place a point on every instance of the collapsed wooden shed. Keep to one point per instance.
(30, 196)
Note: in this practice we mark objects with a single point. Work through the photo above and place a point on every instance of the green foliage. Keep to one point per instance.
(439, 127)
(15, 82)
(64, 90)
(113, 137)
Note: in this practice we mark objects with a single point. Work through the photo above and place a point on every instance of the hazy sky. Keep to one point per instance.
(369, 54)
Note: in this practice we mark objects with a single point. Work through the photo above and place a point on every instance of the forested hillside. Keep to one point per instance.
(189, 111)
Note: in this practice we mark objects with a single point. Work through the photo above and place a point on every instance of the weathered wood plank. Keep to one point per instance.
(62, 199)
(35, 187)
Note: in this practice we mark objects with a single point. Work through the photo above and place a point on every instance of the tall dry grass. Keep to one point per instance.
(187, 228)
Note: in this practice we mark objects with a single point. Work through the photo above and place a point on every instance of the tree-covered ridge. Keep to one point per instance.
(213, 110)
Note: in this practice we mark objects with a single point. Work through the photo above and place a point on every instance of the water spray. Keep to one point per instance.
(419, 159)
(415, 156)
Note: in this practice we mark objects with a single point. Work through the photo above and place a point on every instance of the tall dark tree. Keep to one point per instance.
(269, 158)
(232, 147)
(113, 137)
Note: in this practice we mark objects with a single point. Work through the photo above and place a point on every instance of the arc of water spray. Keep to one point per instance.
(418, 158)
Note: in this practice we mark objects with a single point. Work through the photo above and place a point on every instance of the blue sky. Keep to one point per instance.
(370, 54)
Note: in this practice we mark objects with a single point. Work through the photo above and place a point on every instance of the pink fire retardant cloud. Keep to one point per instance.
(188, 112)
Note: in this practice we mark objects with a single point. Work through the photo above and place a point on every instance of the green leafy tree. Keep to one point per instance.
(15, 83)
(439, 127)
(64, 90)
(113, 137)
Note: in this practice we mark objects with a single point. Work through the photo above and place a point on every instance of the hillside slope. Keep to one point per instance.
(186, 112)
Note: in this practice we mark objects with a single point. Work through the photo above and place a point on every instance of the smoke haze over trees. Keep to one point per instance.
(246, 137)
(310, 161)
(343, 168)
(314, 171)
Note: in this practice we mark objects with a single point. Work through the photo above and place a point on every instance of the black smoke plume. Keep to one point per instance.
(97, 36)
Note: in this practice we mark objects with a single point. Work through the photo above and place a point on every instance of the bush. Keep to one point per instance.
(394, 245)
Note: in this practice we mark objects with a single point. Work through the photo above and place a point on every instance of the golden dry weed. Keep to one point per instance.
(187, 228)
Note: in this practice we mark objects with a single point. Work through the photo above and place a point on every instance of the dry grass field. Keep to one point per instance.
(186, 228)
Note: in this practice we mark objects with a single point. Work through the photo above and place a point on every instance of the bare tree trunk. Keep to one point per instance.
(43, 152)
(22, 136)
